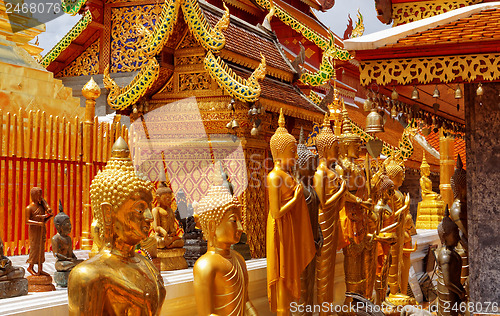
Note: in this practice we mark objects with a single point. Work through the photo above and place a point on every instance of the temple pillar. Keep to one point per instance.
(447, 167)
(482, 115)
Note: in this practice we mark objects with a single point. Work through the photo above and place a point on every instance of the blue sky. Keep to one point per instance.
(336, 18)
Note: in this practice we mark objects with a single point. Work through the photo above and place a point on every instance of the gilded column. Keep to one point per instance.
(91, 92)
(447, 167)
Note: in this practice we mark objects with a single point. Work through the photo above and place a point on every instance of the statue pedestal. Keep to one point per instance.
(40, 283)
(61, 278)
(429, 214)
(172, 259)
(12, 288)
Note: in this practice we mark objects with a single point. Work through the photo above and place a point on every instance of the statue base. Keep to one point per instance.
(195, 247)
(172, 259)
(429, 214)
(12, 288)
(61, 278)
(400, 300)
(40, 283)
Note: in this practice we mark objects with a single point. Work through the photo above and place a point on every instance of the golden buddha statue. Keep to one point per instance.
(450, 289)
(431, 209)
(117, 280)
(290, 242)
(220, 275)
(354, 218)
(330, 188)
(167, 232)
(306, 168)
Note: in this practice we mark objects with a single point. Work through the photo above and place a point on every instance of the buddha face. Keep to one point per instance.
(230, 228)
(452, 238)
(353, 150)
(64, 228)
(289, 156)
(389, 192)
(36, 195)
(133, 218)
(398, 179)
(165, 199)
(332, 152)
(426, 171)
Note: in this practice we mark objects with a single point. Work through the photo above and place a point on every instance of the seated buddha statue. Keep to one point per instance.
(12, 281)
(431, 209)
(117, 280)
(62, 248)
(220, 275)
(166, 228)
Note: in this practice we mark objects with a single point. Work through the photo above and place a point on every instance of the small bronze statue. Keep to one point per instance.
(62, 248)
(450, 290)
(12, 281)
(37, 214)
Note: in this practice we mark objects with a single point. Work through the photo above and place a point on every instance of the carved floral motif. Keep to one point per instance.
(194, 81)
(85, 64)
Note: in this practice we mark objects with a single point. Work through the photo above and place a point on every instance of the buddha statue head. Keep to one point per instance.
(283, 145)
(425, 169)
(164, 195)
(62, 222)
(448, 231)
(386, 188)
(459, 180)
(350, 141)
(121, 201)
(395, 172)
(326, 142)
(219, 214)
(306, 161)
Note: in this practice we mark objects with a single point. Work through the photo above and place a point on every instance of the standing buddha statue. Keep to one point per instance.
(354, 217)
(330, 188)
(431, 209)
(458, 213)
(117, 280)
(450, 289)
(306, 167)
(220, 275)
(399, 202)
(290, 242)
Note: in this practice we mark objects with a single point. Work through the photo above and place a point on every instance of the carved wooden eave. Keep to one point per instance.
(246, 5)
(417, 52)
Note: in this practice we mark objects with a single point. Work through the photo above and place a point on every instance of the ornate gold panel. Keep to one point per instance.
(255, 205)
(189, 60)
(85, 64)
(188, 41)
(413, 11)
(129, 25)
(194, 81)
(425, 70)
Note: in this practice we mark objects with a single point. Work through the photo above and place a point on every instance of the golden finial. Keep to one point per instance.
(281, 137)
(424, 163)
(347, 131)
(326, 120)
(120, 149)
(281, 120)
(91, 90)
